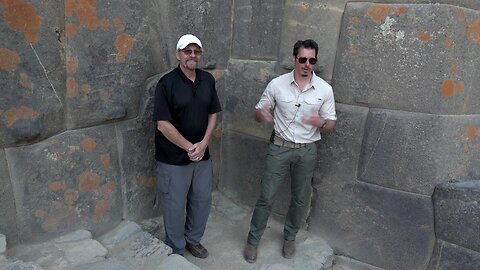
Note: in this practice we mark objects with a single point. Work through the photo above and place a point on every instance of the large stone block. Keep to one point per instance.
(31, 71)
(473, 4)
(106, 60)
(8, 220)
(414, 152)
(375, 225)
(208, 20)
(457, 213)
(311, 20)
(137, 157)
(339, 151)
(68, 182)
(447, 256)
(257, 29)
(411, 57)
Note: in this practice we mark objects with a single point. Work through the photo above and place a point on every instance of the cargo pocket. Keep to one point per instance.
(163, 180)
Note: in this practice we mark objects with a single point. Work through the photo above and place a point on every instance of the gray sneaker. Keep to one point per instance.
(250, 253)
(288, 249)
(197, 250)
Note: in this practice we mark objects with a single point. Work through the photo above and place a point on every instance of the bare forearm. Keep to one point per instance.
(212, 122)
(172, 134)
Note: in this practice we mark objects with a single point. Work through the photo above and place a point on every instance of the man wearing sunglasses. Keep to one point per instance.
(303, 105)
(185, 112)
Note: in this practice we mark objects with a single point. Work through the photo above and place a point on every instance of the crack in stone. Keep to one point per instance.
(46, 74)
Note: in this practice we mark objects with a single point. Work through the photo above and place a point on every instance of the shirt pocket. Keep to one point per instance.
(285, 98)
(313, 103)
(285, 104)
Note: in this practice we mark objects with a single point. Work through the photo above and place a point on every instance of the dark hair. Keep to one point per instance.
(307, 44)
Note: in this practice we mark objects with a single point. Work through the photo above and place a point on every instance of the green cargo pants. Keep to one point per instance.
(300, 163)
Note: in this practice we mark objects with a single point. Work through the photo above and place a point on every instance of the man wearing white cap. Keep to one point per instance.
(185, 112)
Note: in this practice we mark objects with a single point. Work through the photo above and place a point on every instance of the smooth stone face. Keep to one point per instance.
(457, 213)
(410, 57)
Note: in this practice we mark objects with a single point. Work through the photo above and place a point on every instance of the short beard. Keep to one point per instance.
(191, 64)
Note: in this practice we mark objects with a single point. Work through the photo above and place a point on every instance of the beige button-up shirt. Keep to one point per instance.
(290, 104)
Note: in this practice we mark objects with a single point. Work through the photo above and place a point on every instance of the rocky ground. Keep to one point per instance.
(137, 246)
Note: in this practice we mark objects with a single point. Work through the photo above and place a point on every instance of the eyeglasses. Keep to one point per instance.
(303, 60)
(190, 51)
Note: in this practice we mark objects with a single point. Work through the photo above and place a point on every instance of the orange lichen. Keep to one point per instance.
(104, 24)
(70, 7)
(123, 43)
(217, 133)
(351, 50)
(455, 67)
(459, 86)
(25, 81)
(425, 37)
(108, 188)
(378, 12)
(50, 225)
(9, 60)
(22, 17)
(105, 160)
(147, 182)
(447, 88)
(400, 10)
(118, 23)
(101, 209)
(86, 10)
(72, 64)
(472, 132)
(473, 32)
(104, 95)
(89, 144)
(71, 87)
(60, 214)
(57, 186)
(40, 214)
(461, 15)
(71, 29)
(89, 181)
(14, 114)
(448, 42)
(355, 20)
(71, 196)
(86, 88)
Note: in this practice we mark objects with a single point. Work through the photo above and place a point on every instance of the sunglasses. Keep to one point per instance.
(189, 52)
(303, 60)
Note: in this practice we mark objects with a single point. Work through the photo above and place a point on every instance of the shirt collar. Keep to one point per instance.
(185, 78)
(314, 81)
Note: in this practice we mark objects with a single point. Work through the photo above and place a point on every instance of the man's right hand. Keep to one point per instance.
(263, 115)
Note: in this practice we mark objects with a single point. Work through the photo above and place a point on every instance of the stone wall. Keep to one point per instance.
(403, 162)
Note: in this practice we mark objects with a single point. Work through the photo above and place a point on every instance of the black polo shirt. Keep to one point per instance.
(186, 105)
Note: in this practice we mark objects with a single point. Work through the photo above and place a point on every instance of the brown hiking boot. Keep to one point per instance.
(288, 249)
(250, 253)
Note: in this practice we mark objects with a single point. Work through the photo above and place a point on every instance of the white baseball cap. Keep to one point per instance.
(188, 39)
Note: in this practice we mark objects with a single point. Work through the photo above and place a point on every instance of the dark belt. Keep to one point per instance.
(281, 142)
